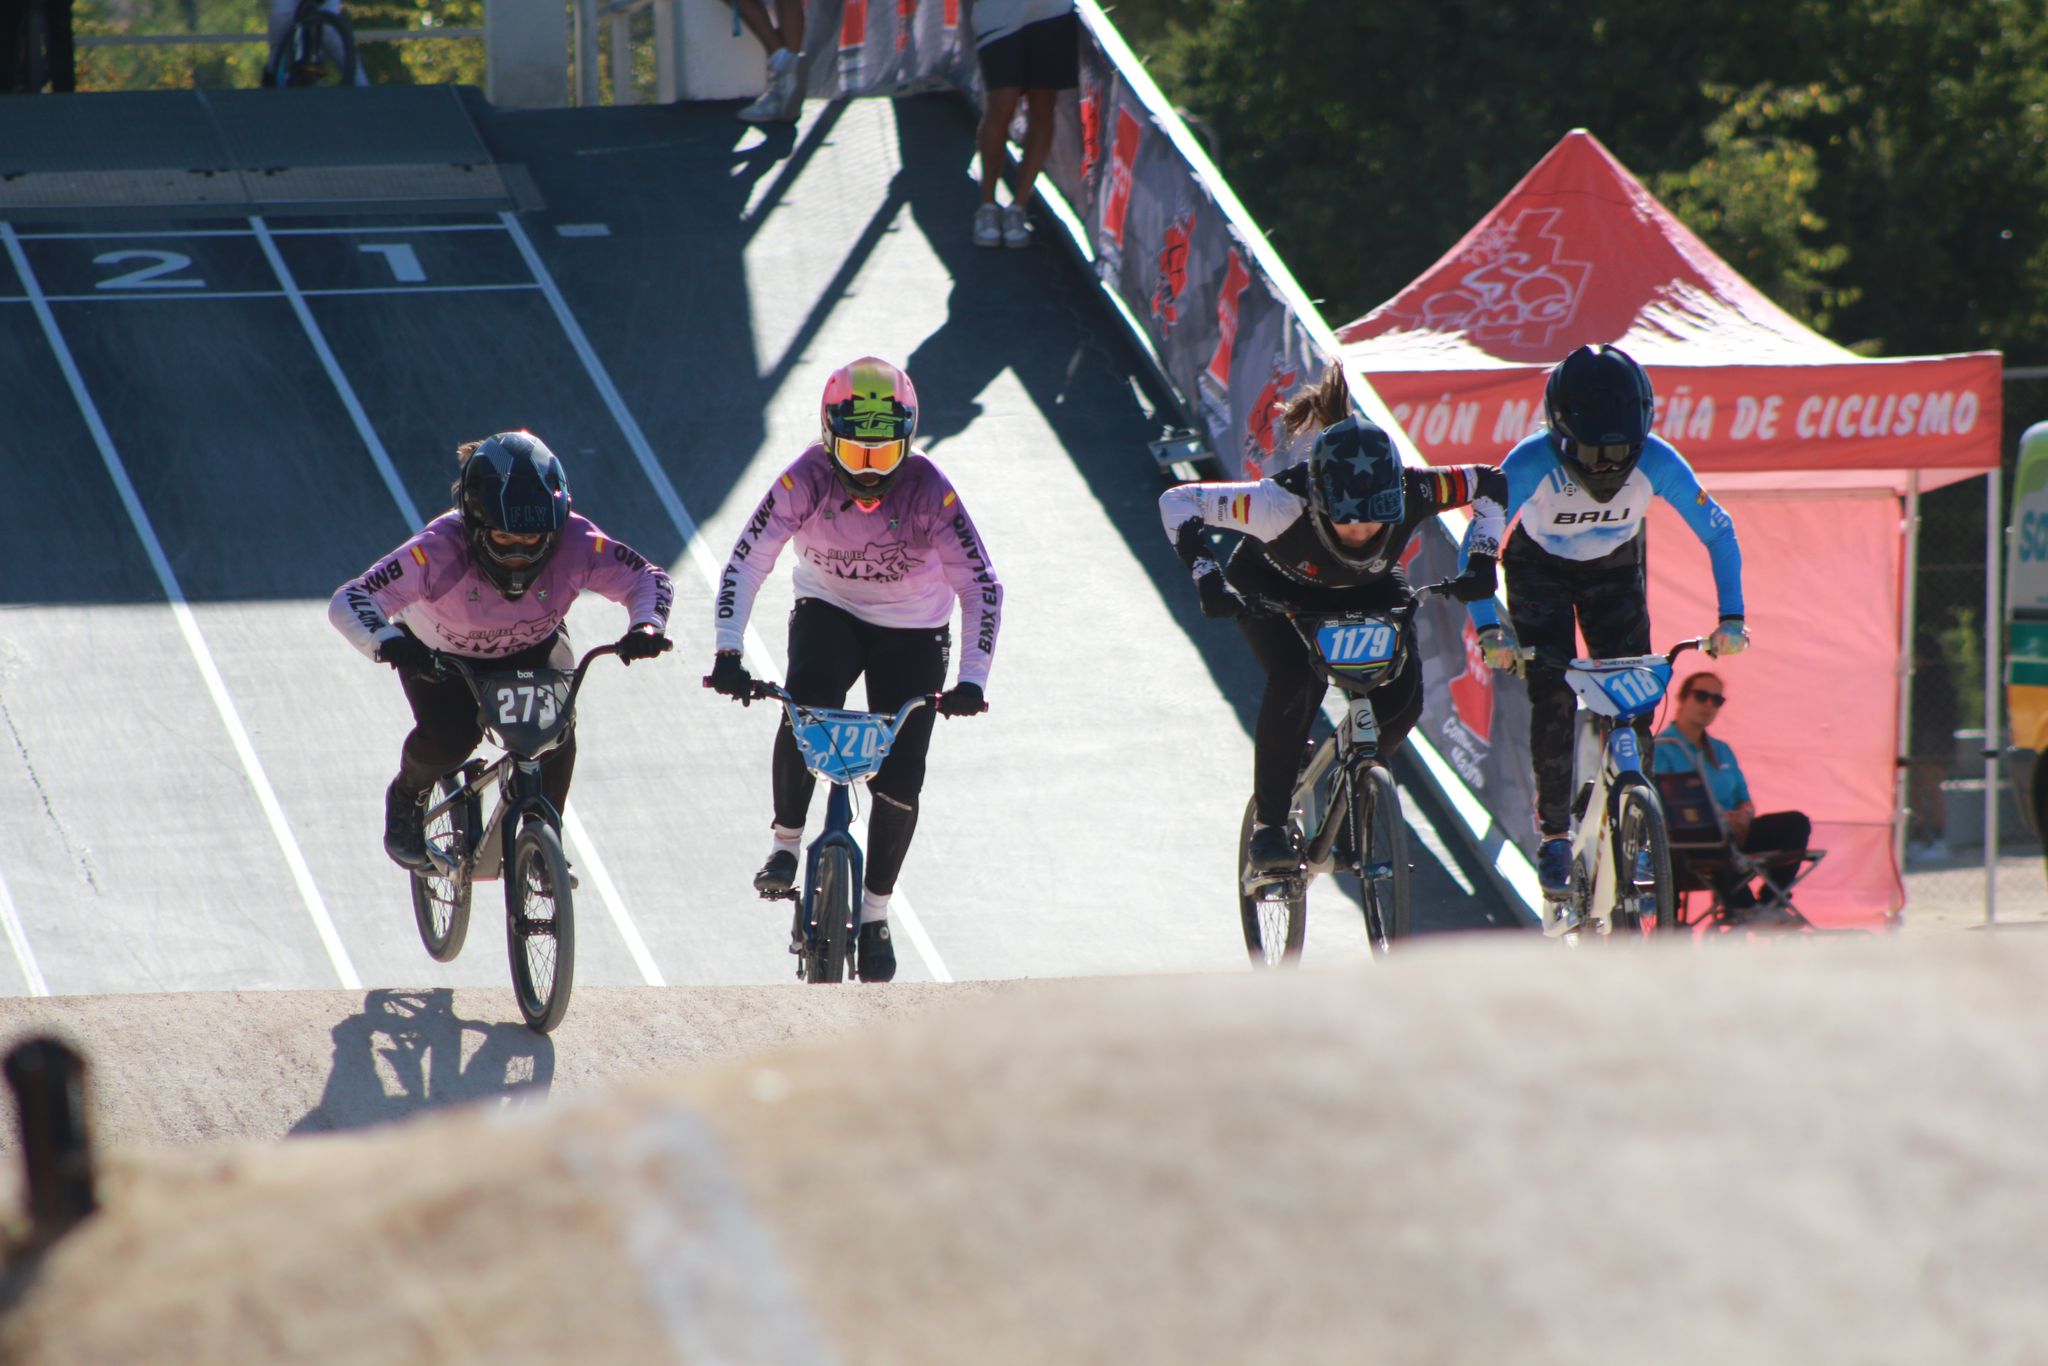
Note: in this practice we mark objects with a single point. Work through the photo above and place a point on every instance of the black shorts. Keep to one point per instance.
(1041, 56)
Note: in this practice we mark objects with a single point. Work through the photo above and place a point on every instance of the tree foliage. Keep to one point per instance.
(1879, 167)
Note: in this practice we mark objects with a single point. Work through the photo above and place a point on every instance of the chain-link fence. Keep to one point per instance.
(1945, 786)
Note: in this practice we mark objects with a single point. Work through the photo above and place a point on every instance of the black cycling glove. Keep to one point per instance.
(1476, 584)
(406, 653)
(962, 699)
(730, 677)
(1219, 603)
(642, 642)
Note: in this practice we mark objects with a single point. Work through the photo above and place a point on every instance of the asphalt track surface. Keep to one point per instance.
(213, 422)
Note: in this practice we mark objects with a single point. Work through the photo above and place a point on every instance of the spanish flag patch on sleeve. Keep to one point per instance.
(419, 557)
(788, 482)
(950, 499)
(599, 538)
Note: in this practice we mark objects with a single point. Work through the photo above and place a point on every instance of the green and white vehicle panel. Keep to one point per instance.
(2026, 612)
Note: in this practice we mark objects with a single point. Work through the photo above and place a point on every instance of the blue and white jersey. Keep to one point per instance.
(1565, 520)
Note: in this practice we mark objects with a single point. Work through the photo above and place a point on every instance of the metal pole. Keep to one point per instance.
(1994, 543)
(1908, 605)
(668, 74)
(622, 58)
(589, 85)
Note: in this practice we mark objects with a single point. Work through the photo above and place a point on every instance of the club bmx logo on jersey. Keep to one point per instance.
(1518, 288)
(875, 562)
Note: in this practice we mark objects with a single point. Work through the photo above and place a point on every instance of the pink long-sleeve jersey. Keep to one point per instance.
(431, 584)
(902, 564)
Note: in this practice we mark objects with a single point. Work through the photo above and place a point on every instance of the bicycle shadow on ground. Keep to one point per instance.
(405, 1052)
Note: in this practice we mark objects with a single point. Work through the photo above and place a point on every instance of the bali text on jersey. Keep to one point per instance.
(431, 585)
(902, 563)
(1564, 520)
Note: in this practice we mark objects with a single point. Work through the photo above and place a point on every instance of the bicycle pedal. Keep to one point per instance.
(1379, 870)
(790, 895)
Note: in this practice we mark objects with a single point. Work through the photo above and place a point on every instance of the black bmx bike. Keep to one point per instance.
(1345, 810)
(527, 713)
(319, 48)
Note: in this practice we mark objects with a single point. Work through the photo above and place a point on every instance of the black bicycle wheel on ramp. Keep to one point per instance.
(1645, 902)
(440, 905)
(1383, 871)
(1275, 916)
(540, 926)
(832, 903)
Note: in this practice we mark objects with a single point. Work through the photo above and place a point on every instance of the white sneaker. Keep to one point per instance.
(988, 226)
(782, 101)
(1016, 227)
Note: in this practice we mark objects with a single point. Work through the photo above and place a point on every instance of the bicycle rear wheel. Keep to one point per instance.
(1645, 901)
(832, 904)
(440, 905)
(540, 926)
(1381, 836)
(1275, 916)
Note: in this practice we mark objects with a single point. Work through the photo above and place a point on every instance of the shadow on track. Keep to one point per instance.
(416, 1040)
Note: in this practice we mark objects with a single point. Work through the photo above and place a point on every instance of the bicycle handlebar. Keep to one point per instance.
(1259, 605)
(463, 670)
(763, 690)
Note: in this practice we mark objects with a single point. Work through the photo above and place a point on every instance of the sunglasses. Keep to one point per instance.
(863, 457)
(1716, 698)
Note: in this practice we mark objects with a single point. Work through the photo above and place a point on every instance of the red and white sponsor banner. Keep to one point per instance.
(1933, 414)
(889, 47)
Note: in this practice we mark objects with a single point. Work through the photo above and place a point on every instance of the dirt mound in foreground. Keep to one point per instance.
(1488, 1151)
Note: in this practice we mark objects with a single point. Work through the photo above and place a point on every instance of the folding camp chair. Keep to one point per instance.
(1705, 860)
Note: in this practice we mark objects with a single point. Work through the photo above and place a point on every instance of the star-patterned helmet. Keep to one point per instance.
(1354, 475)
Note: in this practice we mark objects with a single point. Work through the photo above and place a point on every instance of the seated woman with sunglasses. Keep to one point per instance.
(884, 548)
(1582, 487)
(1684, 746)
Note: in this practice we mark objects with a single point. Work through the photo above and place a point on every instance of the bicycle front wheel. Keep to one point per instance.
(832, 904)
(1380, 836)
(1645, 902)
(540, 926)
(440, 905)
(1275, 915)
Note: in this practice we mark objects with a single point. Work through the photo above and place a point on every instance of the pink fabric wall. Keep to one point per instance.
(1813, 705)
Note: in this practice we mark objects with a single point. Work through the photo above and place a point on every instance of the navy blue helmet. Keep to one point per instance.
(512, 483)
(1600, 408)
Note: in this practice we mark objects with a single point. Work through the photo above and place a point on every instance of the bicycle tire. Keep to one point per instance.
(1383, 872)
(540, 926)
(440, 905)
(301, 60)
(832, 903)
(1639, 829)
(1273, 926)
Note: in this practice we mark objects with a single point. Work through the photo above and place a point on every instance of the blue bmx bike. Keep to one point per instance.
(843, 748)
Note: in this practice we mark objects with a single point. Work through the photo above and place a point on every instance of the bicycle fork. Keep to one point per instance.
(837, 834)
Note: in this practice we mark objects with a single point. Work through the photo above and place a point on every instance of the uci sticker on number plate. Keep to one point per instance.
(1357, 644)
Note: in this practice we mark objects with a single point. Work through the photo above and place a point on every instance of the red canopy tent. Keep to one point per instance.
(1809, 446)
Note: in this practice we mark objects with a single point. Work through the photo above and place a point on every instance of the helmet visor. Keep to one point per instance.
(868, 457)
(1609, 457)
(512, 550)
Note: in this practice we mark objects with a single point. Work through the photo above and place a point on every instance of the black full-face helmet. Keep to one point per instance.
(1354, 475)
(512, 483)
(1600, 408)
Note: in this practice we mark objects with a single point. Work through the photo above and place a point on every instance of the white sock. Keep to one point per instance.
(787, 839)
(872, 907)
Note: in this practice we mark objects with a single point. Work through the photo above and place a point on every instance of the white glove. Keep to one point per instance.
(1500, 649)
(1731, 637)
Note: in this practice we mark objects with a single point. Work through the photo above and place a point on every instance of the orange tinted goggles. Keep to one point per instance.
(859, 457)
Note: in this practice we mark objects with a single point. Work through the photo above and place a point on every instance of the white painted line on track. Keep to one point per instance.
(244, 232)
(418, 289)
(686, 527)
(17, 939)
(607, 892)
(113, 296)
(188, 625)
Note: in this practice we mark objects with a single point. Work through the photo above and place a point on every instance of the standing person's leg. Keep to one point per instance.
(63, 60)
(782, 101)
(992, 141)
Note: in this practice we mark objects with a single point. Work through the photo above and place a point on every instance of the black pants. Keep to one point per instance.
(61, 68)
(1287, 712)
(828, 649)
(1786, 832)
(446, 731)
(1546, 592)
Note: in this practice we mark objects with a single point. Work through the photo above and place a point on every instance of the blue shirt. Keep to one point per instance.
(1559, 516)
(1676, 754)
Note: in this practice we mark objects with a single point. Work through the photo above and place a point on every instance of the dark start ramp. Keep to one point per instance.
(223, 407)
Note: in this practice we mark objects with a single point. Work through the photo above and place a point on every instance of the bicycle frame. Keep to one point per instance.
(1607, 758)
(516, 772)
(843, 748)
